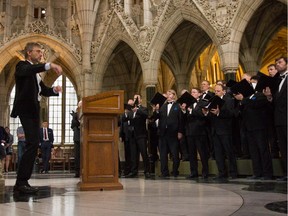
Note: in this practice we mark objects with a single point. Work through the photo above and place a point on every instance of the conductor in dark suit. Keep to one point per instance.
(29, 88)
(280, 111)
(170, 132)
(46, 141)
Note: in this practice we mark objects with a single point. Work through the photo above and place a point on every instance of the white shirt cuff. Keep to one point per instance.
(47, 66)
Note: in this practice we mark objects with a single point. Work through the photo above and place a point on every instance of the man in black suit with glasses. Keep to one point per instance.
(29, 89)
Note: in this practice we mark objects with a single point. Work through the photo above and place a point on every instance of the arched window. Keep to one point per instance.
(59, 109)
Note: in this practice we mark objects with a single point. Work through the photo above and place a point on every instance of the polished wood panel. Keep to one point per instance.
(99, 141)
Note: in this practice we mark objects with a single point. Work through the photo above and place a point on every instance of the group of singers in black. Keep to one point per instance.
(197, 129)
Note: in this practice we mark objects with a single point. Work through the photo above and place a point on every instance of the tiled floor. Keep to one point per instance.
(59, 195)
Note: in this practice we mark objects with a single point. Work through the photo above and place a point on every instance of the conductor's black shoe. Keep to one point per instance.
(25, 189)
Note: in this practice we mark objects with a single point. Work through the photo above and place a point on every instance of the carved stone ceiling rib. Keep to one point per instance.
(122, 60)
(264, 19)
(186, 42)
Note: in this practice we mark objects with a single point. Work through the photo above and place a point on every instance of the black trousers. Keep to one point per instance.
(260, 153)
(199, 143)
(46, 154)
(169, 144)
(77, 156)
(31, 128)
(138, 146)
(223, 147)
(282, 142)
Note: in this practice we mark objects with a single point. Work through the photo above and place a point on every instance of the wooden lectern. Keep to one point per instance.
(99, 141)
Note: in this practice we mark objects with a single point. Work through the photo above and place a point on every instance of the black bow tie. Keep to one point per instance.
(282, 76)
(171, 102)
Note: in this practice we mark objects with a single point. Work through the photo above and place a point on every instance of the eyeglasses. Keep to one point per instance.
(38, 51)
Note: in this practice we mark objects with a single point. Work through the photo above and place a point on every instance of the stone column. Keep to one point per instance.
(29, 13)
(230, 73)
(8, 15)
(147, 13)
(49, 14)
(128, 7)
(181, 83)
(87, 12)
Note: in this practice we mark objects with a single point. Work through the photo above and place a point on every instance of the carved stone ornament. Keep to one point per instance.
(220, 17)
(178, 3)
(40, 27)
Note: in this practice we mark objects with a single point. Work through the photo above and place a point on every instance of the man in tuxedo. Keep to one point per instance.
(205, 90)
(138, 137)
(197, 137)
(124, 136)
(46, 142)
(254, 111)
(29, 89)
(280, 112)
(75, 126)
(206, 94)
(221, 127)
(170, 132)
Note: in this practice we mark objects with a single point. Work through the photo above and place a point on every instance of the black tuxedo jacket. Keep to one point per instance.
(171, 124)
(254, 111)
(26, 102)
(138, 122)
(222, 124)
(195, 122)
(280, 105)
(50, 135)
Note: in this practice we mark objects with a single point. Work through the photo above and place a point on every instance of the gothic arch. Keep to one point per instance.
(168, 28)
(63, 55)
(104, 54)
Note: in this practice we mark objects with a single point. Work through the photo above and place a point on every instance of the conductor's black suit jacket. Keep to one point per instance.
(26, 102)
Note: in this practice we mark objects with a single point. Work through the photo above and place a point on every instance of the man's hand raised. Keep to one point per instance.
(56, 68)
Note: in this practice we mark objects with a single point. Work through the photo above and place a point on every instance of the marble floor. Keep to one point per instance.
(60, 196)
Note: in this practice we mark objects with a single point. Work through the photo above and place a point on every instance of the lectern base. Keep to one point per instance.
(99, 186)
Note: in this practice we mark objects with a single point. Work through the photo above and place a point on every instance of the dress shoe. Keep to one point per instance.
(77, 175)
(266, 178)
(220, 179)
(164, 176)
(233, 177)
(25, 189)
(254, 177)
(284, 178)
(192, 177)
(175, 174)
(131, 175)
(147, 175)
(205, 176)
